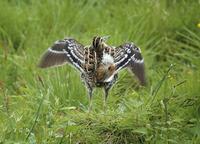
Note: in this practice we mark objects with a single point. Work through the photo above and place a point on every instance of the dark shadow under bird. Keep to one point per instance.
(98, 63)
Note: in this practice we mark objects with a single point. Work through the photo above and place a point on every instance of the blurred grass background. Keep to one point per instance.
(50, 106)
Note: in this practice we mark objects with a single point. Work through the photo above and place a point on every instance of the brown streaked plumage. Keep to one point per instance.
(104, 72)
(98, 63)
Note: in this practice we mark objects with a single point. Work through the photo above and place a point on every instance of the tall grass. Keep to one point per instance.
(50, 106)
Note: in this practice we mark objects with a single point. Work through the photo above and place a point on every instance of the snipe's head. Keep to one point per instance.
(99, 42)
(105, 73)
(106, 69)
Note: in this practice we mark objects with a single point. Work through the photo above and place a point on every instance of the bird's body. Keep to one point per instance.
(98, 63)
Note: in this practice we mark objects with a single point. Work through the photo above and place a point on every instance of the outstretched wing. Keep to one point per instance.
(62, 52)
(129, 56)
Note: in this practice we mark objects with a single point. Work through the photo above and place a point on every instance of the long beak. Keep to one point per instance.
(105, 38)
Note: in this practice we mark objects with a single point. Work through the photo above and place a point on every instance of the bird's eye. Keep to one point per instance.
(111, 68)
(137, 48)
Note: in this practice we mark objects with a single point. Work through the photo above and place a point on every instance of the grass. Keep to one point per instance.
(50, 106)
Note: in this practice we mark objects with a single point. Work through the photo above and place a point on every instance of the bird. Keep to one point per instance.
(98, 63)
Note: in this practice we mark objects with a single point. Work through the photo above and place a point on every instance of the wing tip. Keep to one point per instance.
(139, 70)
(143, 82)
(43, 60)
(41, 65)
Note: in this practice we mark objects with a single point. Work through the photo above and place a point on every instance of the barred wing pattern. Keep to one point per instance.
(62, 52)
(129, 56)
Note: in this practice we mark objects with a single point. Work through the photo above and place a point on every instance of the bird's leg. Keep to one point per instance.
(106, 89)
(90, 90)
(89, 87)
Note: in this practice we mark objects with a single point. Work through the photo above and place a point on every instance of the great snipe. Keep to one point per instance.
(98, 63)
